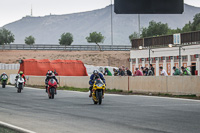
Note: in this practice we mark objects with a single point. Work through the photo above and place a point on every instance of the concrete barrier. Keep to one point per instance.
(178, 85)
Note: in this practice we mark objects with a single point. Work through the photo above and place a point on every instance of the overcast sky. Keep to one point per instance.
(12, 10)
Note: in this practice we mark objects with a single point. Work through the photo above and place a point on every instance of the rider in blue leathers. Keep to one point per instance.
(94, 76)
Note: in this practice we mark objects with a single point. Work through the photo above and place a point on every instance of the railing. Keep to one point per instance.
(67, 48)
(164, 41)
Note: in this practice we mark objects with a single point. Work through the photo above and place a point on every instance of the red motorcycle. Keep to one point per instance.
(52, 85)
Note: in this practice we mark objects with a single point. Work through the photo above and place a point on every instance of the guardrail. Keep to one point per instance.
(67, 48)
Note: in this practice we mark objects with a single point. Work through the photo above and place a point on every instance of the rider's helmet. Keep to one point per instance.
(50, 73)
(21, 72)
(4, 73)
(96, 73)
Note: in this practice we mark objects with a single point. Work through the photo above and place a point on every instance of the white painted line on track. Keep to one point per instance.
(159, 97)
(15, 128)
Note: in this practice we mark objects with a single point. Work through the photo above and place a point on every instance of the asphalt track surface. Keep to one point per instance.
(74, 112)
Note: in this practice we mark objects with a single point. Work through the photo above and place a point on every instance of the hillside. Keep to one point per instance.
(96, 58)
(47, 29)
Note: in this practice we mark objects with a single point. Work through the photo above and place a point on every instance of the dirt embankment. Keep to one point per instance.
(97, 58)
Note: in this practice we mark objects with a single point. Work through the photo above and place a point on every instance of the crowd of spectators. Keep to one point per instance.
(143, 71)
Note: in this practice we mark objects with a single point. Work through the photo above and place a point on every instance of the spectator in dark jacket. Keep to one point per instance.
(121, 72)
(144, 71)
(129, 73)
(152, 69)
(149, 72)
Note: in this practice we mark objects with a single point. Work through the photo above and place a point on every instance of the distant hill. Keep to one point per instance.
(47, 29)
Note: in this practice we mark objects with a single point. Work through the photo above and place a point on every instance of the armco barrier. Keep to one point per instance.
(178, 85)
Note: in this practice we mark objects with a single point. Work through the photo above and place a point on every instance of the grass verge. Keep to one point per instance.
(121, 92)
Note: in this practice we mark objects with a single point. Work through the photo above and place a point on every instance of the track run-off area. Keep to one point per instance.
(74, 112)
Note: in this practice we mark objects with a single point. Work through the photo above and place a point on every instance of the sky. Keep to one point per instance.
(12, 10)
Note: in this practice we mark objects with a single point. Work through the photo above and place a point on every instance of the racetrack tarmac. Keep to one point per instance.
(74, 112)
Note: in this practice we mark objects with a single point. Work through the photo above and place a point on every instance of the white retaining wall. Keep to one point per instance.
(9, 66)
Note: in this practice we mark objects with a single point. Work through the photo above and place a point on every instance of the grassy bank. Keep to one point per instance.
(121, 92)
(6, 130)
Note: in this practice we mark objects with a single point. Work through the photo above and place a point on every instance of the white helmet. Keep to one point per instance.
(95, 72)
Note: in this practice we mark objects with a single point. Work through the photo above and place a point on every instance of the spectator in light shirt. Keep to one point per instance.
(163, 72)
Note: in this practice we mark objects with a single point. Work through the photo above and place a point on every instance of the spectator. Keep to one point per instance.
(55, 73)
(129, 73)
(149, 72)
(185, 71)
(123, 68)
(163, 72)
(176, 71)
(144, 71)
(101, 70)
(152, 69)
(107, 72)
(115, 72)
(138, 72)
(121, 72)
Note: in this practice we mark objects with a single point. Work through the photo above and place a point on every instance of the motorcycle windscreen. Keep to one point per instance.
(99, 83)
(4, 77)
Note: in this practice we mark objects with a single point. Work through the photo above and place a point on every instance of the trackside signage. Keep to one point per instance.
(177, 38)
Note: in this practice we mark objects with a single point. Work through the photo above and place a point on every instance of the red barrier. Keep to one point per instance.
(62, 67)
(196, 72)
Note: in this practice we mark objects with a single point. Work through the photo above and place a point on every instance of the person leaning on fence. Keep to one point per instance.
(143, 71)
(115, 72)
(138, 72)
(107, 72)
(121, 72)
(149, 72)
(163, 72)
(176, 71)
(129, 73)
(152, 69)
(185, 71)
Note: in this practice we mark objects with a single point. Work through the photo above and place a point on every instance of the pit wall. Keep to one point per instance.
(177, 85)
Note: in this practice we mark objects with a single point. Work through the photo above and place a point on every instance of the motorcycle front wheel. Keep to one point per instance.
(100, 97)
(3, 84)
(19, 88)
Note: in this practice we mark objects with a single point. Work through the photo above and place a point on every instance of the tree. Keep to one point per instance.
(66, 39)
(187, 27)
(174, 31)
(196, 22)
(96, 38)
(135, 35)
(6, 36)
(155, 29)
(29, 40)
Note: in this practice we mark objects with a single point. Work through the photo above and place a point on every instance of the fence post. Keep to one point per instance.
(128, 84)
